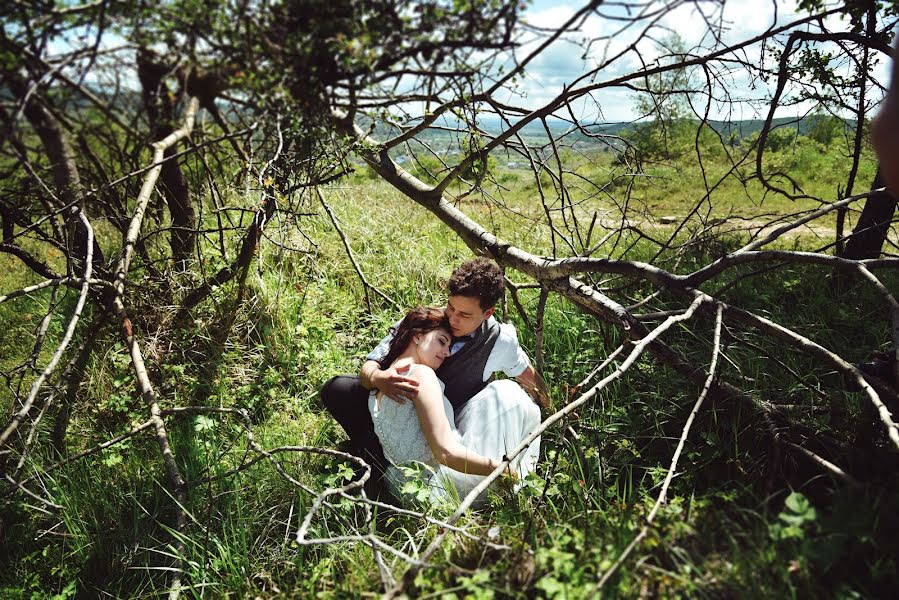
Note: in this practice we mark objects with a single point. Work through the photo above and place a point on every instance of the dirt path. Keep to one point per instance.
(822, 229)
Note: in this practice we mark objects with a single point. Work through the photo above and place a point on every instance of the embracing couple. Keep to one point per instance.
(424, 395)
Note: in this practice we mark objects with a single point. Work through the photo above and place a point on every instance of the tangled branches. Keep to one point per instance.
(251, 127)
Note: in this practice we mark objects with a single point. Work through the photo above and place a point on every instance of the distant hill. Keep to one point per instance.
(745, 128)
(534, 132)
(444, 140)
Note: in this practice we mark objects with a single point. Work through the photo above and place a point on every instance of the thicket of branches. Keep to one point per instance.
(148, 152)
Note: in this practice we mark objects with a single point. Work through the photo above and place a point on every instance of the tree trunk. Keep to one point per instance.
(160, 106)
(239, 267)
(6, 219)
(871, 230)
(62, 163)
(74, 377)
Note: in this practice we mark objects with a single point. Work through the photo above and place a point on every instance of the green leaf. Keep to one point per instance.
(204, 423)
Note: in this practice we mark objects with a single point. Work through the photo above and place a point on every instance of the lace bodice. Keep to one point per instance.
(399, 431)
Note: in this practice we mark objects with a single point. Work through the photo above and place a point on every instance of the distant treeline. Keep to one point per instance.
(741, 129)
(535, 133)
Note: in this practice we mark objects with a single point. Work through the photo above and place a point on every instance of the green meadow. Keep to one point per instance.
(743, 520)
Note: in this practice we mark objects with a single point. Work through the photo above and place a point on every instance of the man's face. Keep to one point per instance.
(465, 314)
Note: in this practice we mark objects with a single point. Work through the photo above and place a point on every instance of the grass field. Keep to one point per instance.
(741, 520)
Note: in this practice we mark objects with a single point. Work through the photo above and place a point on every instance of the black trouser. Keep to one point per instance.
(347, 401)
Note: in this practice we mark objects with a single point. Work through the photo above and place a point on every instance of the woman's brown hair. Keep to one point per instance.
(420, 319)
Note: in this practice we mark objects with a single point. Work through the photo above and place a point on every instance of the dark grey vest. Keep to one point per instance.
(463, 372)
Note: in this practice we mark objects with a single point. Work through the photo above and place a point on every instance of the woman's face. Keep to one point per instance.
(433, 347)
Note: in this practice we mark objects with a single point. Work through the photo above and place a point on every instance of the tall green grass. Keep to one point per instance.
(727, 530)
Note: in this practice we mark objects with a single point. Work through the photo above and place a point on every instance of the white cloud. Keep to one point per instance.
(562, 63)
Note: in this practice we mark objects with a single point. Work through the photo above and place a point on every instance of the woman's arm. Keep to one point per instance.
(446, 447)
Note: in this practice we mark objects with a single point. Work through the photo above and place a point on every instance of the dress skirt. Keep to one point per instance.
(492, 423)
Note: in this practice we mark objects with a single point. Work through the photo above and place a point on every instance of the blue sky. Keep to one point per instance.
(562, 62)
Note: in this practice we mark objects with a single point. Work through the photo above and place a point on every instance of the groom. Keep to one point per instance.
(481, 347)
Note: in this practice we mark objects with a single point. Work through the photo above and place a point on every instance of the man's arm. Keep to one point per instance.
(511, 358)
(534, 385)
(368, 373)
(885, 130)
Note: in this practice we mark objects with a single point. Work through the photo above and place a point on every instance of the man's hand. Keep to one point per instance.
(389, 382)
(397, 387)
(508, 479)
(534, 385)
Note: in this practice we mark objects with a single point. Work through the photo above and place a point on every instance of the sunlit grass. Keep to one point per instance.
(305, 318)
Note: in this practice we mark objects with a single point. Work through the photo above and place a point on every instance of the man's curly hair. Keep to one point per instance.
(479, 278)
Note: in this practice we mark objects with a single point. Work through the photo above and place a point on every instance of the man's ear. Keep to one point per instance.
(489, 312)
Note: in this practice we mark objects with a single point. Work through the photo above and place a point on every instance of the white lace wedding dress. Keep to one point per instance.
(492, 424)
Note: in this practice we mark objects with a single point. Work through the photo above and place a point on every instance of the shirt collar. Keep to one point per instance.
(464, 338)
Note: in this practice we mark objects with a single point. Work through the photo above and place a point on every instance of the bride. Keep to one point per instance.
(458, 451)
